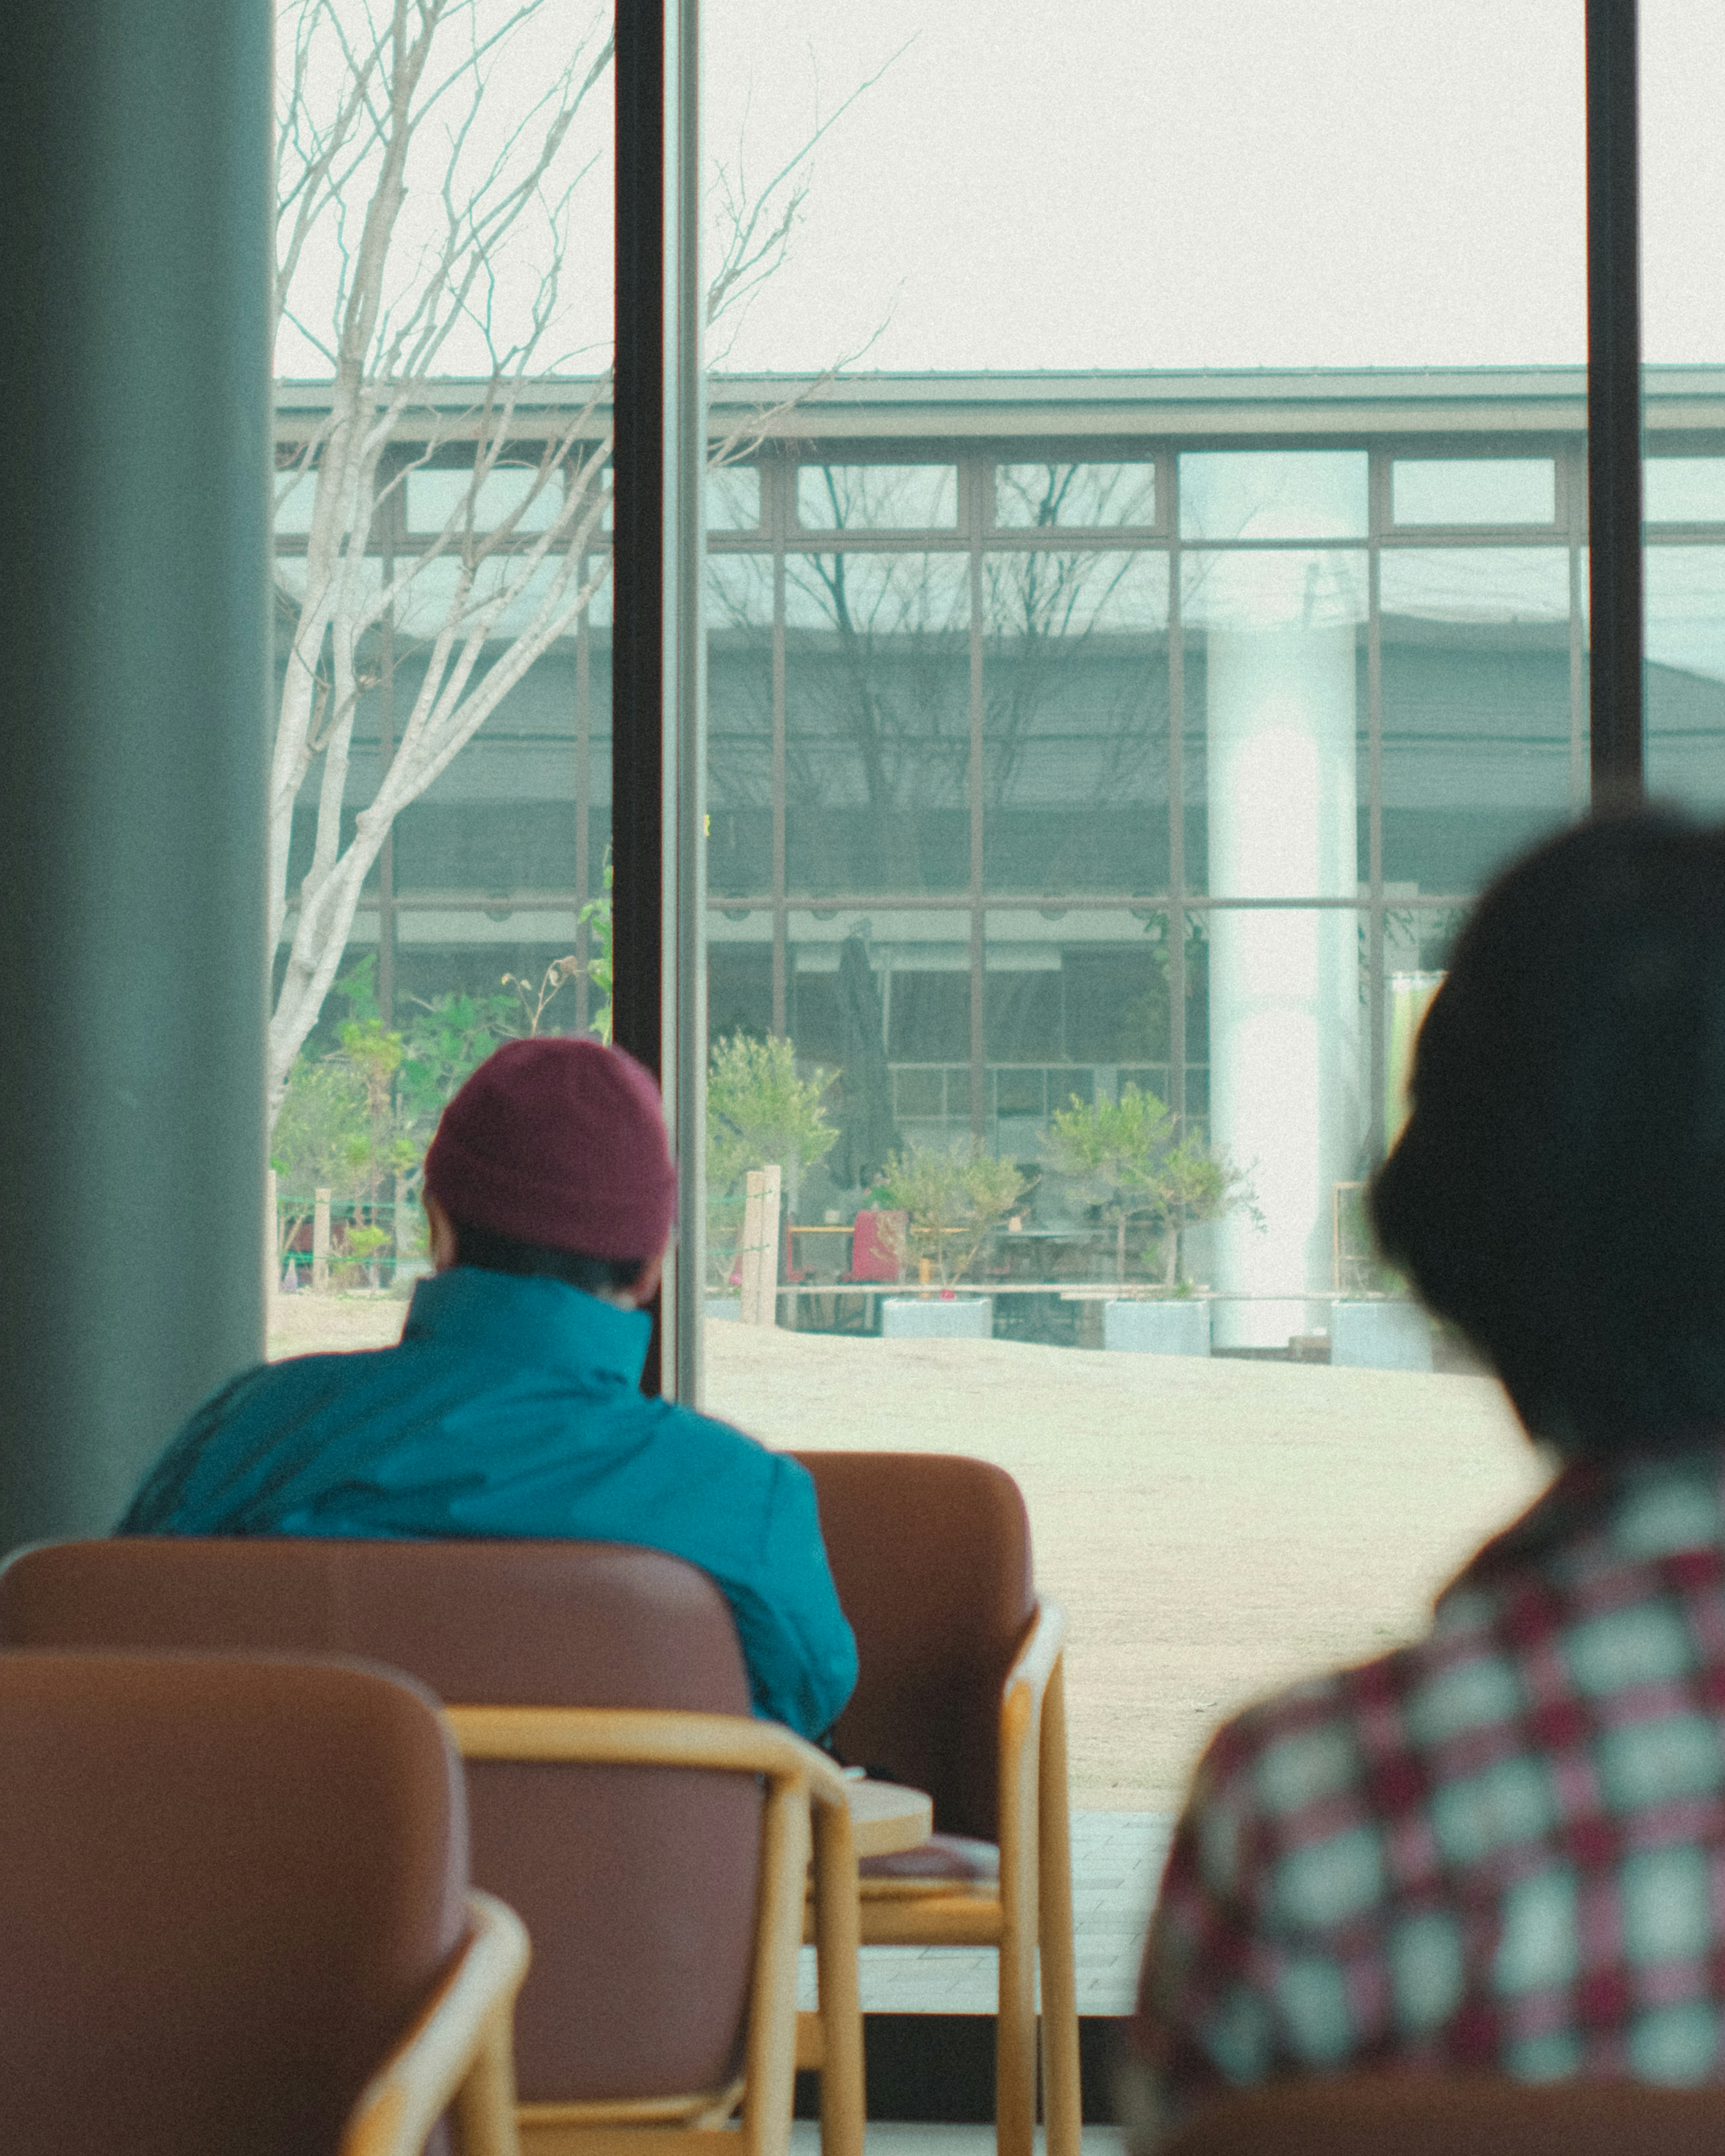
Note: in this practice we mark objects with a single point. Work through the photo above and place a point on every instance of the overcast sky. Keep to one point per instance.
(1145, 183)
(1125, 183)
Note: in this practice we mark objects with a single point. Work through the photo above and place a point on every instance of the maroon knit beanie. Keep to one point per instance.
(560, 1142)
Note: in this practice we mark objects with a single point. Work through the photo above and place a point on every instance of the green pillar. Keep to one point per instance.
(135, 247)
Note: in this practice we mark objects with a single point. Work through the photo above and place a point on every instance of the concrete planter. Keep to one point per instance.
(726, 1308)
(1176, 1327)
(932, 1318)
(1380, 1336)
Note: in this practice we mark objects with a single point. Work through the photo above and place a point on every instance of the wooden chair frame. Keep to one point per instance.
(460, 2051)
(1027, 1917)
(805, 1803)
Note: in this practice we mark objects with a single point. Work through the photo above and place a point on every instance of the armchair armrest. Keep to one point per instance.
(806, 1801)
(459, 2051)
(1040, 1650)
(1021, 1697)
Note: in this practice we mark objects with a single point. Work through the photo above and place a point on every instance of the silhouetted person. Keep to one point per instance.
(1503, 1849)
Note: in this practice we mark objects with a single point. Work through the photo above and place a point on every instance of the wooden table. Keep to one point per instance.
(886, 1818)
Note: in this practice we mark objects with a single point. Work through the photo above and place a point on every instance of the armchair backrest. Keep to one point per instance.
(226, 1890)
(930, 1553)
(637, 1885)
(1369, 2114)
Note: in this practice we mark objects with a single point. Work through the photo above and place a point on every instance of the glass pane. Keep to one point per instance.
(739, 761)
(733, 498)
(1473, 490)
(1068, 496)
(1288, 1105)
(1686, 675)
(883, 1001)
(876, 497)
(295, 496)
(1483, 732)
(1682, 206)
(439, 497)
(1075, 722)
(877, 723)
(1273, 691)
(1274, 494)
(1684, 489)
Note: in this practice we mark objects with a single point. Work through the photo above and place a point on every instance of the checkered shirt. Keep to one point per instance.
(1501, 1848)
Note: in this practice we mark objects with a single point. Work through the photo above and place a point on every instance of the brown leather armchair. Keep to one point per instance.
(233, 1914)
(960, 1694)
(653, 1834)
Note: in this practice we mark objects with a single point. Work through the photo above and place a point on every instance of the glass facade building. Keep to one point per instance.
(1152, 729)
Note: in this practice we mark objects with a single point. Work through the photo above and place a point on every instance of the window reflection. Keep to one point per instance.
(1274, 494)
(877, 723)
(740, 729)
(1685, 674)
(876, 497)
(1483, 711)
(733, 498)
(436, 497)
(1044, 496)
(1684, 489)
(1075, 722)
(1473, 490)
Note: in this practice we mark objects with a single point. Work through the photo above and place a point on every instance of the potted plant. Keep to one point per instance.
(951, 1203)
(1131, 1153)
(759, 1114)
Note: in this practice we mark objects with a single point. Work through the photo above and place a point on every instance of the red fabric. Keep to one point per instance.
(1500, 1849)
(872, 1257)
(562, 1142)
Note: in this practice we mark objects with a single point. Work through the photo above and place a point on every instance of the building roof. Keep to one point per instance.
(1353, 404)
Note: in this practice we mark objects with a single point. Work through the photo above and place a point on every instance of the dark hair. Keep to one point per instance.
(1558, 1192)
(504, 1253)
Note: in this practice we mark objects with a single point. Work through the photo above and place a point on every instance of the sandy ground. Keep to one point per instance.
(1213, 1528)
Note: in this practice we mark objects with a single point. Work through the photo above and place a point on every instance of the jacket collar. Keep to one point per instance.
(537, 1322)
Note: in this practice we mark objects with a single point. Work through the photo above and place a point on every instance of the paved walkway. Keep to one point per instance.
(1116, 1867)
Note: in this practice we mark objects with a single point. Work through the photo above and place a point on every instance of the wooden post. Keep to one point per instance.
(321, 1243)
(272, 1239)
(760, 1247)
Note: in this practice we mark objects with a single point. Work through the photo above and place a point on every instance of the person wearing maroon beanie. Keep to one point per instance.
(512, 1405)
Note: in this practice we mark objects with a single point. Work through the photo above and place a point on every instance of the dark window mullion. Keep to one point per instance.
(1614, 398)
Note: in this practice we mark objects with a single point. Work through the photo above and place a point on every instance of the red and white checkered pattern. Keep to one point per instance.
(1501, 1848)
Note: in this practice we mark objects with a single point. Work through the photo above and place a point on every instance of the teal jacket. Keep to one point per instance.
(513, 1407)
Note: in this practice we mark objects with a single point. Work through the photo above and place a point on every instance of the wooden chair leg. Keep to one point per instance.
(1015, 2037)
(843, 2102)
(1063, 2098)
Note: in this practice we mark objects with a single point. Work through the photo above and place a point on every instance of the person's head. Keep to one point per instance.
(1558, 1191)
(552, 1160)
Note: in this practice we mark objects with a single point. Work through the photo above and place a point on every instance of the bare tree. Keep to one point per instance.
(385, 105)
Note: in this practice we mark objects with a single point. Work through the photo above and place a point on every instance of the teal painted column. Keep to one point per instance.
(135, 247)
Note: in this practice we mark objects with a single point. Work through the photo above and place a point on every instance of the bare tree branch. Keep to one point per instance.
(379, 102)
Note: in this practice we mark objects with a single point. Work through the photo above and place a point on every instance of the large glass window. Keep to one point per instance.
(441, 833)
(1134, 663)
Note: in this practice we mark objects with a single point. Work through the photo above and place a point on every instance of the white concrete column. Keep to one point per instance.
(1284, 987)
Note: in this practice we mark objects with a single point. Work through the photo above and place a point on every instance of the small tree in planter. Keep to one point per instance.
(759, 1114)
(1128, 1153)
(1116, 1150)
(951, 1205)
(1197, 1184)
